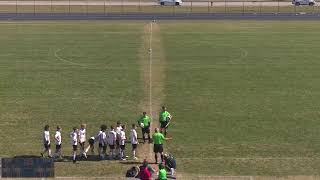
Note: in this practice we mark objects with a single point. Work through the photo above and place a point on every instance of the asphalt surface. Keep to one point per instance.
(157, 16)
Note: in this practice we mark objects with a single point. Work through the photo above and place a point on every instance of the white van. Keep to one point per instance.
(170, 2)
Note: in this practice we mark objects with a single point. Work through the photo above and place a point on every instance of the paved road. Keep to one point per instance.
(137, 3)
(157, 16)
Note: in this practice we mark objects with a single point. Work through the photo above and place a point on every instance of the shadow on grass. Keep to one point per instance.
(131, 162)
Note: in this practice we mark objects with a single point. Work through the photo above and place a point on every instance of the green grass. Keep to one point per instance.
(236, 89)
(38, 88)
(244, 90)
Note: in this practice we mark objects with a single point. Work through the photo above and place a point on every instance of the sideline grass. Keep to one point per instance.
(94, 79)
(244, 90)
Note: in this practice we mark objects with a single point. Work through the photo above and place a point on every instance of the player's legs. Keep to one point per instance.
(134, 147)
(122, 148)
(87, 149)
(58, 151)
(111, 155)
(148, 132)
(143, 133)
(92, 149)
(74, 153)
(49, 152)
(81, 149)
(118, 149)
(45, 149)
(163, 128)
(155, 150)
(101, 151)
(160, 150)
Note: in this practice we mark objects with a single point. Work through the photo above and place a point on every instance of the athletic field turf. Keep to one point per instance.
(243, 94)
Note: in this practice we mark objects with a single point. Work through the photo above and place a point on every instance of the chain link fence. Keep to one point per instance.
(109, 6)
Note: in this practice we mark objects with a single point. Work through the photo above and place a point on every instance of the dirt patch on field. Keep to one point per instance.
(152, 62)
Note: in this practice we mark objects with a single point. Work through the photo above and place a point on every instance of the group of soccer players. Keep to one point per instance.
(115, 138)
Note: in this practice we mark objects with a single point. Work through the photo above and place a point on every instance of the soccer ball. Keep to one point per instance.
(142, 125)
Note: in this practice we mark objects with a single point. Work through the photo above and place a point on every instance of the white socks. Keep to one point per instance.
(134, 153)
(74, 155)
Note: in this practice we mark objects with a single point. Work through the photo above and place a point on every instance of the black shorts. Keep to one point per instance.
(134, 146)
(111, 146)
(163, 124)
(82, 144)
(117, 142)
(75, 147)
(158, 148)
(104, 147)
(46, 146)
(58, 147)
(146, 130)
(123, 147)
(91, 142)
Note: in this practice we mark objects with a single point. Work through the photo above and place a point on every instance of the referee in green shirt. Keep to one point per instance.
(144, 122)
(164, 119)
(158, 139)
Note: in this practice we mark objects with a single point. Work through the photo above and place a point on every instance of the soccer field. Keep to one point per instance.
(243, 94)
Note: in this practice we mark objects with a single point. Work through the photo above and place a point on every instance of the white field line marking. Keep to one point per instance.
(150, 71)
(150, 80)
(243, 54)
(253, 158)
(66, 60)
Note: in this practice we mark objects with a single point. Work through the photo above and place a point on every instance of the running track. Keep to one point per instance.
(157, 16)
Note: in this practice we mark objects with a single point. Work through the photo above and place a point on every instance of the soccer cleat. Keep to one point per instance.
(135, 158)
(123, 159)
(41, 154)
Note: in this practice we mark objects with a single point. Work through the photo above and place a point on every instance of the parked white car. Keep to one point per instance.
(170, 2)
(303, 2)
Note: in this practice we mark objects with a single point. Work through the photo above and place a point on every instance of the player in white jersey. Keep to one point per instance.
(82, 139)
(74, 142)
(58, 141)
(112, 137)
(118, 130)
(102, 139)
(134, 140)
(122, 142)
(46, 141)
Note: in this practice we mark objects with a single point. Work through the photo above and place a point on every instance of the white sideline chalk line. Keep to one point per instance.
(66, 60)
(150, 79)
